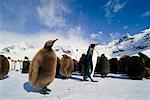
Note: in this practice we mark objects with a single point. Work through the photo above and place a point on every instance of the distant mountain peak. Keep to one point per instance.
(15, 47)
(126, 37)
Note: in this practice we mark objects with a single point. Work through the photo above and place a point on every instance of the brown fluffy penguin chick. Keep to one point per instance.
(43, 68)
(82, 64)
(123, 63)
(105, 66)
(4, 66)
(135, 68)
(66, 66)
(76, 65)
(114, 65)
(57, 68)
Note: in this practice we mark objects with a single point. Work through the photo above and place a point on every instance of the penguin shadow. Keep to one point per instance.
(61, 77)
(29, 88)
(72, 77)
(4, 77)
(76, 78)
(113, 76)
(122, 76)
(77, 74)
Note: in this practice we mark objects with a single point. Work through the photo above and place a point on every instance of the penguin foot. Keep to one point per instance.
(103, 76)
(93, 80)
(43, 92)
(85, 79)
(48, 90)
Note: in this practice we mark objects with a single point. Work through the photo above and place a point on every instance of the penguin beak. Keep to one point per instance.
(97, 44)
(55, 40)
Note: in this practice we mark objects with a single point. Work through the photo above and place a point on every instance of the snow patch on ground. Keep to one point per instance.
(114, 87)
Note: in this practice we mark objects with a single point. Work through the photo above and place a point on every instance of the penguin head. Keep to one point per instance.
(140, 53)
(65, 56)
(103, 55)
(8, 58)
(49, 44)
(83, 55)
(93, 45)
(26, 58)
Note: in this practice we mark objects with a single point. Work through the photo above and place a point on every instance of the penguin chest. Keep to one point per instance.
(49, 65)
(94, 59)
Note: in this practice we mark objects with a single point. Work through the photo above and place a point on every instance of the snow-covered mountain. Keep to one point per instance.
(17, 50)
(22, 46)
(127, 45)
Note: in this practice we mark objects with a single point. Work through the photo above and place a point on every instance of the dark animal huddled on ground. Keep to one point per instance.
(147, 63)
(135, 68)
(147, 72)
(146, 60)
(66, 67)
(97, 69)
(114, 65)
(143, 56)
(82, 64)
(104, 66)
(123, 61)
(57, 68)
(76, 65)
(4, 66)
(25, 66)
(43, 68)
(91, 59)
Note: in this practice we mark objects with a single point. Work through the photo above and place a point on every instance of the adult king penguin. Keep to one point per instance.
(91, 60)
(43, 68)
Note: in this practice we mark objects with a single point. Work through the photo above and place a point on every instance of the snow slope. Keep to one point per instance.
(114, 87)
(128, 45)
(18, 50)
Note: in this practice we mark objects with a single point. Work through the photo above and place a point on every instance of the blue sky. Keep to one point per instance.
(98, 20)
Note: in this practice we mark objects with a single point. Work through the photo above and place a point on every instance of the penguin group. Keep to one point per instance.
(45, 66)
(7, 65)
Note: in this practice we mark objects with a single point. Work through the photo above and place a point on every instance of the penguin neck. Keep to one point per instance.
(89, 52)
(48, 49)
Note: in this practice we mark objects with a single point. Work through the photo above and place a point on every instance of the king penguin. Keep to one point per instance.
(43, 68)
(91, 61)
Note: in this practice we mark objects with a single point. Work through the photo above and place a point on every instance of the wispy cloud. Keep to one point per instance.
(146, 14)
(96, 35)
(112, 7)
(105, 38)
(119, 6)
(114, 36)
(125, 27)
(52, 13)
(71, 37)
